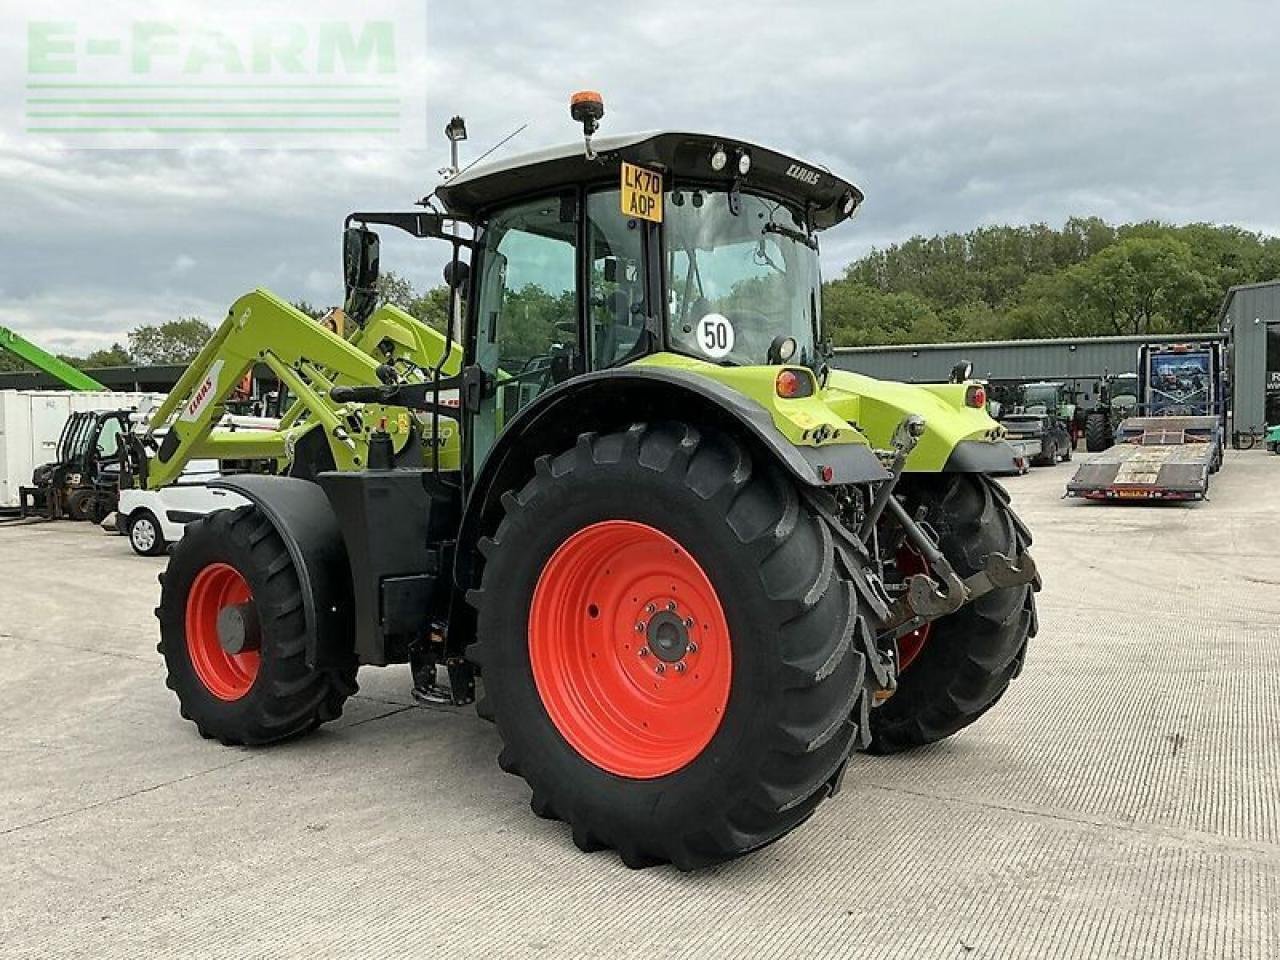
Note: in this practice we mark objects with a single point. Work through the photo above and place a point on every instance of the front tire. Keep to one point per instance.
(81, 504)
(266, 692)
(968, 659)
(145, 534)
(1097, 432)
(691, 766)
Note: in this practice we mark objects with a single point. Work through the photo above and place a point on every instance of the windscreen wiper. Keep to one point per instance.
(796, 235)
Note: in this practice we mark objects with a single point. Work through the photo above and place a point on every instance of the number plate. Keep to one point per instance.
(641, 193)
(1133, 493)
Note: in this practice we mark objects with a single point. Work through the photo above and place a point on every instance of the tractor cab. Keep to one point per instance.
(692, 250)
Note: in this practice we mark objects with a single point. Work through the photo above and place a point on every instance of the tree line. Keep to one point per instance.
(1006, 283)
(1087, 278)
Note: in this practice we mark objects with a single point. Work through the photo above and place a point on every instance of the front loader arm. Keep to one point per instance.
(259, 328)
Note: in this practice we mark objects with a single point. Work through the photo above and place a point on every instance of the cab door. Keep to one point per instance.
(527, 314)
(618, 315)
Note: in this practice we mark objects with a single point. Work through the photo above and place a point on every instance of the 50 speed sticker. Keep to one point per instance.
(715, 335)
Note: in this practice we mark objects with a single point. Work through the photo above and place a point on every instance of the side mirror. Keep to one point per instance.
(360, 271)
(359, 258)
(961, 371)
(457, 282)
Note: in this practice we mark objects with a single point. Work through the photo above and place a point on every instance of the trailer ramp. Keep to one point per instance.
(1155, 458)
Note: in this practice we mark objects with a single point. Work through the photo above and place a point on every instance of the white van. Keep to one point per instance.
(154, 519)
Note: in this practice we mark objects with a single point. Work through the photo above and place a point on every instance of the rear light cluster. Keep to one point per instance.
(976, 397)
(794, 384)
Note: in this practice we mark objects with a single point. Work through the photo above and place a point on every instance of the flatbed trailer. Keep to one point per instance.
(1154, 458)
(1171, 448)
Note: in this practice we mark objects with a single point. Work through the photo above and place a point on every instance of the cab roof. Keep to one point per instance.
(685, 156)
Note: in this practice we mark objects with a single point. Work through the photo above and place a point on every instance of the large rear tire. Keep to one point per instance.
(662, 752)
(1097, 432)
(267, 692)
(970, 657)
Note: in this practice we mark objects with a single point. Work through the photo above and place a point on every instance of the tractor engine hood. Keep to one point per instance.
(955, 434)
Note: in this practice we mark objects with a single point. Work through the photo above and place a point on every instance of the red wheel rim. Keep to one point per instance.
(910, 644)
(630, 649)
(225, 675)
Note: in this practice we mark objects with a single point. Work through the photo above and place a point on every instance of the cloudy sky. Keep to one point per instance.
(949, 114)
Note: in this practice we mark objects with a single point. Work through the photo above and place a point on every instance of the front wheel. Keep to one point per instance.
(1097, 432)
(673, 650)
(145, 535)
(953, 670)
(234, 637)
(81, 504)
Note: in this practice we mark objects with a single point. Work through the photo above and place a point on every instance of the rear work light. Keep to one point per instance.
(794, 384)
(975, 397)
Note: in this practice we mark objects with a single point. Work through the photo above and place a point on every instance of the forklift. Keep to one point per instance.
(83, 480)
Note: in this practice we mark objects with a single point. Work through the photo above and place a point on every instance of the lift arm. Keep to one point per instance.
(46, 362)
(309, 360)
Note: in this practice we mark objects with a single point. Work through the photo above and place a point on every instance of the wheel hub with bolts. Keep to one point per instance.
(667, 635)
(630, 649)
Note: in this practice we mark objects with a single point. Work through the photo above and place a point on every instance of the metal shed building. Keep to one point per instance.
(1250, 318)
(1080, 361)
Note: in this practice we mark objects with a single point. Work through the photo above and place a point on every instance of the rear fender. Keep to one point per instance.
(613, 400)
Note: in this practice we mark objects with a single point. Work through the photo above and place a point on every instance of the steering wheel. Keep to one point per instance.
(750, 326)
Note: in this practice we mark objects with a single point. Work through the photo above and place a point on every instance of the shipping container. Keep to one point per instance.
(31, 421)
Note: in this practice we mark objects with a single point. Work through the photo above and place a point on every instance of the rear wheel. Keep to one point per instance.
(1097, 432)
(966, 661)
(233, 634)
(145, 535)
(673, 649)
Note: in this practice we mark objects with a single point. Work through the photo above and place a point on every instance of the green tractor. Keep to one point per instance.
(691, 567)
(1117, 399)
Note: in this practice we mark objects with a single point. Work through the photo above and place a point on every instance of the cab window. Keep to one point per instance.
(527, 312)
(616, 296)
(109, 438)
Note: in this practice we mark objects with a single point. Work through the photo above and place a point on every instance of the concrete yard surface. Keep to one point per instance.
(1122, 801)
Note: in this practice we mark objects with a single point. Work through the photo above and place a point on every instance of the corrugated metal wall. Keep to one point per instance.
(1082, 360)
(1246, 315)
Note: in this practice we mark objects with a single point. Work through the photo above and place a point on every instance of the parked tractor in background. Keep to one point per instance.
(1117, 399)
(1039, 422)
(1273, 439)
(692, 566)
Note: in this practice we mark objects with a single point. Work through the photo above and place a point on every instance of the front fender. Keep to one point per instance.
(301, 514)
